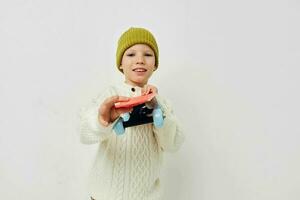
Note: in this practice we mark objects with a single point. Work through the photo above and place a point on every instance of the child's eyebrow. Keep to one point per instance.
(144, 51)
(148, 51)
(130, 51)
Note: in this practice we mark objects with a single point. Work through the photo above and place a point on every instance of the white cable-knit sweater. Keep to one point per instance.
(127, 167)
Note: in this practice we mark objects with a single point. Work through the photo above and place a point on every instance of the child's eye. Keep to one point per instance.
(130, 54)
(148, 54)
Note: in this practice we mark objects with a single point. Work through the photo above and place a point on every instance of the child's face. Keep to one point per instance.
(138, 64)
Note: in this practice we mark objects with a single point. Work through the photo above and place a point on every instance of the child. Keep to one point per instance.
(127, 167)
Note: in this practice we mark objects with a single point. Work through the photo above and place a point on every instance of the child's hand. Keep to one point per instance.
(149, 89)
(107, 112)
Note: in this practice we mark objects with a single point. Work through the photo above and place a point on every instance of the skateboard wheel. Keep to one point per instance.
(118, 127)
(158, 119)
(125, 116)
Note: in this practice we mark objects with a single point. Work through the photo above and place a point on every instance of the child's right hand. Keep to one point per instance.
(107, 112)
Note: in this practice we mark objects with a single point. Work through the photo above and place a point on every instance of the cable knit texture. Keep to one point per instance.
(127, 167)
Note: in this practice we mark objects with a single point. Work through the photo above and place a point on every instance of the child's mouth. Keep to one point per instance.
(139, 70)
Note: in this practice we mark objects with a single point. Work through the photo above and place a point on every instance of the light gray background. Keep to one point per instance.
(230, 68)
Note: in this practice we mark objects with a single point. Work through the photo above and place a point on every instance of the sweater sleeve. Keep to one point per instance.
(169, 137)
(91, 131)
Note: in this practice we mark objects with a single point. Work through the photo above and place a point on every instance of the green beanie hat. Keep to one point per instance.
(135, 36)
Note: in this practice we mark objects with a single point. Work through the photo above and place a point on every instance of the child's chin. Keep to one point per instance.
(140, 81)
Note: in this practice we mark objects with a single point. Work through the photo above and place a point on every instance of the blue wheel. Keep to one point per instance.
(158, 119)
(118, 127)
(125, 116)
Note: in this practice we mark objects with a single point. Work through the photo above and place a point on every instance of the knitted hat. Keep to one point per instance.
(135, 36)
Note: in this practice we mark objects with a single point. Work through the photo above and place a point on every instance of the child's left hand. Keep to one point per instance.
(149, 89)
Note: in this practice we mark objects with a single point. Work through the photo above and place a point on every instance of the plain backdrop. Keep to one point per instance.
(230, 69)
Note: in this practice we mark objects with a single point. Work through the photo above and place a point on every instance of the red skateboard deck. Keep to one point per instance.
(134, 101)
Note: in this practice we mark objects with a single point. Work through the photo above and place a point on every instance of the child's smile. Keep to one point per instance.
(139, 69)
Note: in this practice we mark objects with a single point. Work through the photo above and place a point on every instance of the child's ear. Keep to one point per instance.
(121, 69)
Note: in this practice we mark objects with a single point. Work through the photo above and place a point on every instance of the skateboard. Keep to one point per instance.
(140, 114)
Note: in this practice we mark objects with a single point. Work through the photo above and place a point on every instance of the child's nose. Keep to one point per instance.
(140, 59)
